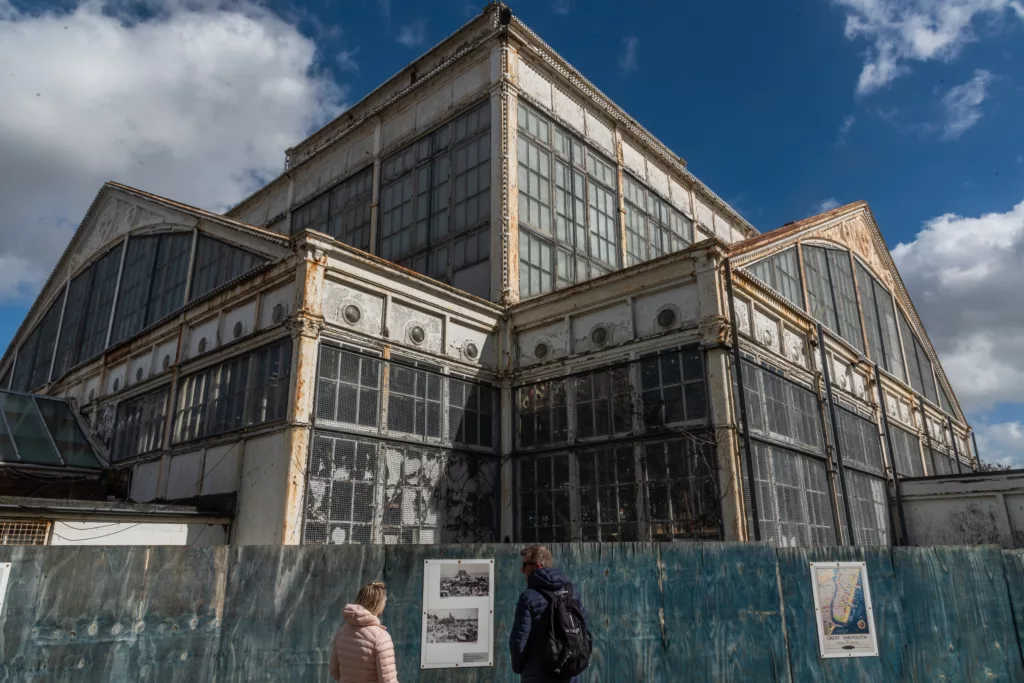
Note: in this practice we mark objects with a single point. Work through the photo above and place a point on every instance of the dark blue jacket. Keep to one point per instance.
(530, 630)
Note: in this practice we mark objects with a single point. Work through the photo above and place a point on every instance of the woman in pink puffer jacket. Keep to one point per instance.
(362, 651)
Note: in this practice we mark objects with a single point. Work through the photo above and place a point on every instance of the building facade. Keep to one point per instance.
(484, 304)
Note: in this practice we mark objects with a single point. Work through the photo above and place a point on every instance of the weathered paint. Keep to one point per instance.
(957, 614)
(966, 510)
(804, 654)
(658, 612)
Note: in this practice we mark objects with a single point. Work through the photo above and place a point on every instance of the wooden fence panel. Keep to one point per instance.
(283, 605)
(956, 612)
(802, 630)
(1013, 563)
(112, 613)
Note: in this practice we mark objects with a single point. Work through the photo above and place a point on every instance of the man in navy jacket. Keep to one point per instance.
(533, 615)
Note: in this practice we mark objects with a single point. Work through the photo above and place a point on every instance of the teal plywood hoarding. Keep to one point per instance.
(658, 612)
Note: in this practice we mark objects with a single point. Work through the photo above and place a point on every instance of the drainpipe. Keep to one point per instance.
(835, 434)
(892, 458)
(737, 363)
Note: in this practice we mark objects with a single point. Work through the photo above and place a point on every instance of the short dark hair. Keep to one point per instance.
(537, 554)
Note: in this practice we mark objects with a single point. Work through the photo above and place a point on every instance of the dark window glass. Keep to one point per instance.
(218, 263)
(342, 212)
(542, 414)
(846, 298)
(819, 290)
(27, 430)
(860, 443)
(153, 282)
(140, 424)
(604, 403)
(240, 392)
(471, 414)
(435, 203)
(568, 210)
(920, 367)
(414, 401)
(781, 272)
(67, 434)
(672, 388)
(101, 304)
(348, 388)
(906, 452)
(170, 273)
(890, 332)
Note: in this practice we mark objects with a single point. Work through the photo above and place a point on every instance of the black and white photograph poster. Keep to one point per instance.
(458, 614)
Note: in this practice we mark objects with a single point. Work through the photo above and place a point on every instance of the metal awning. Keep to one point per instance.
(42, 431)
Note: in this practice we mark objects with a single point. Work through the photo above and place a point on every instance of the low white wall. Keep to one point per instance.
(971, 510)
(135, 533)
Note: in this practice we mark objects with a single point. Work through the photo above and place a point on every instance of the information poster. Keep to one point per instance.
(458, 614)
(842, 606)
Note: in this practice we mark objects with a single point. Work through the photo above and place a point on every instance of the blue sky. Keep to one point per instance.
(781, 108)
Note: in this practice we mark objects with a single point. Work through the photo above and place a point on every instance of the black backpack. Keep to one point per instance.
(566, 652)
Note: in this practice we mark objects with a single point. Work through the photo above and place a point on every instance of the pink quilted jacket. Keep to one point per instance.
(362, 651)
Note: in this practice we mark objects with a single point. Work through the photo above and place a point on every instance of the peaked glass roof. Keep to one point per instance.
(41, 430)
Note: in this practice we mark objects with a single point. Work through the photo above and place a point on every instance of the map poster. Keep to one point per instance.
(842, 607)
(458, 614)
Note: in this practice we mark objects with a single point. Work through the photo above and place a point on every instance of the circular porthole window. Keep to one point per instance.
(277, 313)
(472, 351)
(666, 318)
(166, 362)
(352, 314)
(117, 383)
(238, 329)
(416, 334)
(599, 335)
(541, 351)
(138, 375)
(202, 345)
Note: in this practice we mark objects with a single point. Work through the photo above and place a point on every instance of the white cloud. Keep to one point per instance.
(347, 60)
(962, 105)
(828, 205)
(414, 34)
(628, 57)
(965, 276)
(197, 104)
(904, 31)
(844, 129)
(1001, 443)
(562, 7)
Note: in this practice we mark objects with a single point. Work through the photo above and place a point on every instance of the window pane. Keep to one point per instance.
(890, 334)
(131, 298)
(98, 310)
(242, 391)
(865, 285)
(819, 293)
(218, 263)
(846, 297)
(167, 288)
(27, 430)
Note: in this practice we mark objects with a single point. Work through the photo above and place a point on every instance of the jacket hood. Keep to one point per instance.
(359, 616)
(547, 579)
